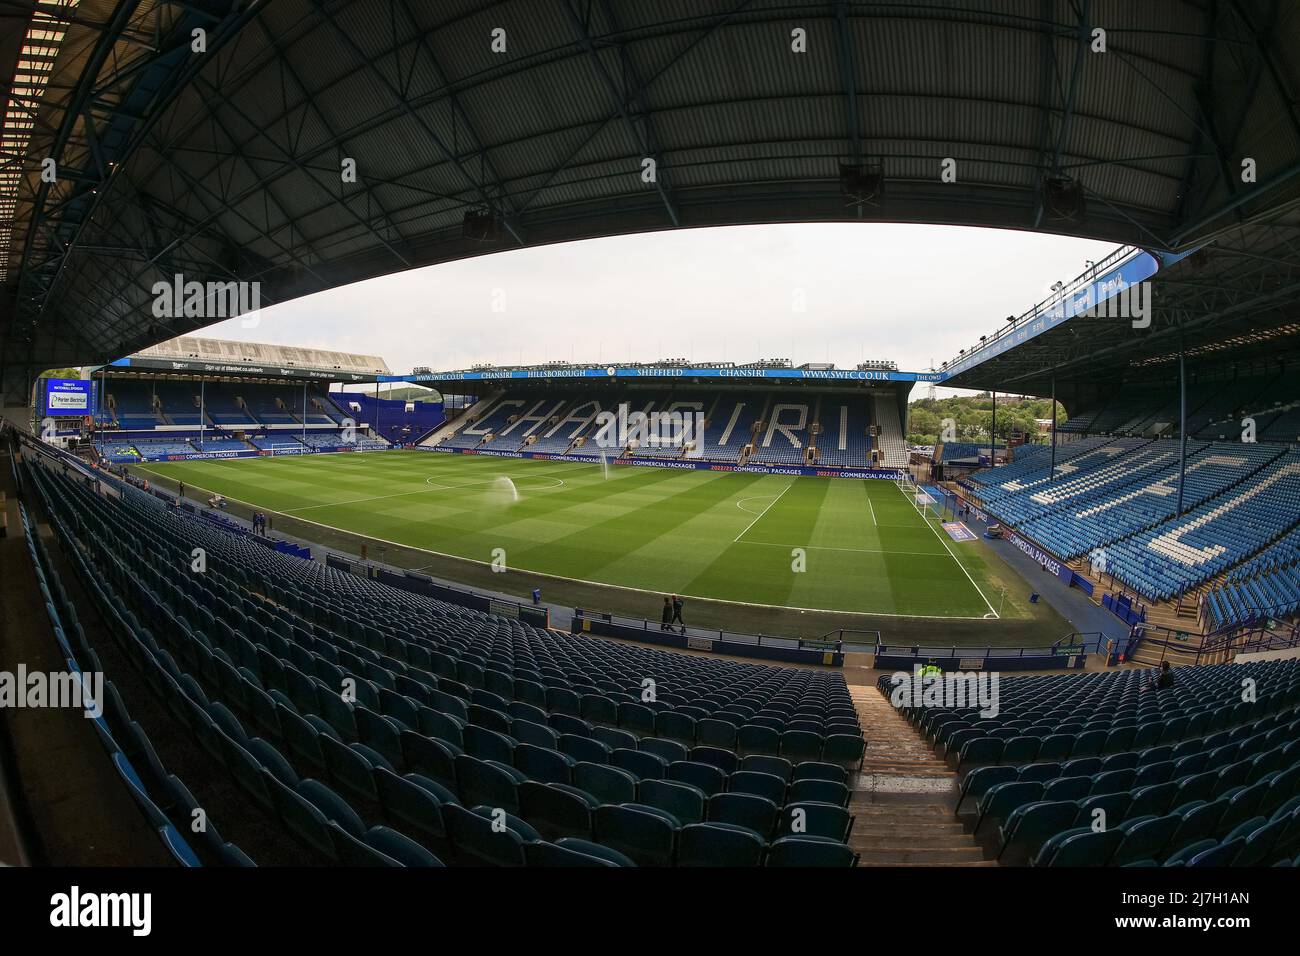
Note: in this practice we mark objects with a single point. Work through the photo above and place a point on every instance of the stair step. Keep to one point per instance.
(904, 807)
(872, 842)
(923, 813)
(871, 776)
(903, 795)
(908, 822)
(878, 831)
(957, 863)
(891, 856)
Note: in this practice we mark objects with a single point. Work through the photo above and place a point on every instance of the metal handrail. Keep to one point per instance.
(1220, 642)
(713, 634)
(1091, 644)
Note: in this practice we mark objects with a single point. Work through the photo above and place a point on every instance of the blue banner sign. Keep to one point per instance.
(1138, 268)
(617, 372)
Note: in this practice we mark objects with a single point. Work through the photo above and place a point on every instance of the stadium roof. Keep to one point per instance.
(226, 164)
(1232, 307)
(225, 351)
(678, 373)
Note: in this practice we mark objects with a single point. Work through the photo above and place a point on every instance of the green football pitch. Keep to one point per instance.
(812, 543)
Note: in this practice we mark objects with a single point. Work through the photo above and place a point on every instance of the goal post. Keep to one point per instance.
(924, 503)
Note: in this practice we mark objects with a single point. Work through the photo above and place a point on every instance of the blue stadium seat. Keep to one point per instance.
(684, 801)
(809, 852)
(646, 838)
(719, 844)
(413, 804)
(753, 812)
(558, 810)
(759, 784)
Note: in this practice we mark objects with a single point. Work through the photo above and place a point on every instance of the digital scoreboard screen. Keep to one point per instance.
(66, 396)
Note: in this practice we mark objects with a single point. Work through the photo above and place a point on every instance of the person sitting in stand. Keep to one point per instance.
(1164, 679)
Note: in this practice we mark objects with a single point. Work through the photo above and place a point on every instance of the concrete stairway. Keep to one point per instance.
(903, 798)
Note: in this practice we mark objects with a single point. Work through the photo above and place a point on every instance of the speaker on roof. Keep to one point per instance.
(862, 184)
(1062, 198)
(481, 226)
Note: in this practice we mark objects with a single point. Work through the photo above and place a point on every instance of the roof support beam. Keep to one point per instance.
(643, 136)
(458, 110)
(849, 83)
(1208, 137)
(103, 48)
(200, 190)
(172, 70)
(1071, 96)
(290, 160)
(324, 121)
(511, 226)
(1264, 45)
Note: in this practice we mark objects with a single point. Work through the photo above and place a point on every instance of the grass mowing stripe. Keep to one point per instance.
(599, 547)
(641, 528)
(939, 534)
(759, 517)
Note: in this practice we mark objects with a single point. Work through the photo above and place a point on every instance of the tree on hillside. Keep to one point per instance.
(972, 417)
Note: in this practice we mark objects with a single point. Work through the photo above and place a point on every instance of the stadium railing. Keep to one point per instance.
(794, 649)
(417, 583)
(1067, 653)
(1216, 647)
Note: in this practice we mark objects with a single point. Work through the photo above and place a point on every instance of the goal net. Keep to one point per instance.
(921, 499)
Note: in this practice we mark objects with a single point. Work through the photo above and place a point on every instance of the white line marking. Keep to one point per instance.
(432, 487)
(818, 547)
(926, 522)
(873, 509)
(432, 480)
(763, 512)
(560, 577)
(740, 504)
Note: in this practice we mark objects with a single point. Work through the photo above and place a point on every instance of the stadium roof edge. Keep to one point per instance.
(1229, 308)
(546, 148)
(1103, 282)
(665, 374)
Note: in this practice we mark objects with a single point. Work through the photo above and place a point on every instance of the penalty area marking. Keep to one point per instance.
(992, 615)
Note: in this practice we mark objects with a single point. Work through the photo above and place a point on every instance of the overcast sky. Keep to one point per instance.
(837, 292)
